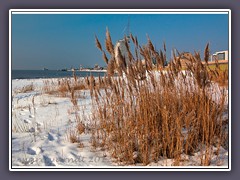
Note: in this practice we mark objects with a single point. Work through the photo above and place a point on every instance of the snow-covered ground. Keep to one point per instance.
(41, 124)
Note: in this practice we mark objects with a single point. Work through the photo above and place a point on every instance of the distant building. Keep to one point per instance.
(123, 49)
(96, 67)
(220, 55)
(80, 67)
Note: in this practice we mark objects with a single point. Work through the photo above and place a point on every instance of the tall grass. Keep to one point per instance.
(63, 87)
(143, 115)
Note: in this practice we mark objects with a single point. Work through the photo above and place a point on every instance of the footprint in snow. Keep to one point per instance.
(27, 121)
(48, 161)
(38, 150)
(31, 151)
(31, 116)
(39, 124)
(50, 137)
(32, 130)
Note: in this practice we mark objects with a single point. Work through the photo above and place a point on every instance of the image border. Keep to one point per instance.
(118, 11)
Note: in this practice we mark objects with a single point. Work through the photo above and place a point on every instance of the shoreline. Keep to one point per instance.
(41, 74)
(103, 71)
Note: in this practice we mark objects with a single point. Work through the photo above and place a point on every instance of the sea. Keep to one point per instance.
(36, 74)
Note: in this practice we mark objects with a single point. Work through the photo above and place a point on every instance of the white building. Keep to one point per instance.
(123, 49)
(220, 55)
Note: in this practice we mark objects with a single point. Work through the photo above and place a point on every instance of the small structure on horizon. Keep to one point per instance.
(220, 55)
(121, 45)
(96, 67)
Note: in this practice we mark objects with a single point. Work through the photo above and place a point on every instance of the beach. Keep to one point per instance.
(40, 137)
(43, 123)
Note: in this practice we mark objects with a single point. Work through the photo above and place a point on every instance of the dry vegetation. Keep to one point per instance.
(148, 111)
(143, 115)
(26, 89)
(219, 75)
(64, 87)
(68, 87)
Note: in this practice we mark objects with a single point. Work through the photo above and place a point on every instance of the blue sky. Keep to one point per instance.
(57, 41)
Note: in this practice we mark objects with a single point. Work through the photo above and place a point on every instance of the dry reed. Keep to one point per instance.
(142, 115)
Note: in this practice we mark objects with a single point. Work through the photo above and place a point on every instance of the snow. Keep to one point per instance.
(40, 128)
(42, 139)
